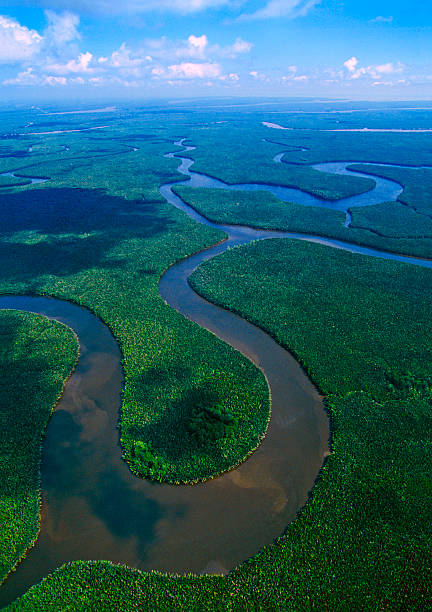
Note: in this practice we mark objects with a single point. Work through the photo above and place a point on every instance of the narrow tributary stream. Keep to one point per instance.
(94, 508)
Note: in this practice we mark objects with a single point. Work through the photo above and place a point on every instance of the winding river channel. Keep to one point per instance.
(94, 508)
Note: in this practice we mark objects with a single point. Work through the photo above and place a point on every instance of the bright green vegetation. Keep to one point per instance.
(362, 328)
(145, 461)
(105, 246)
(36, 357)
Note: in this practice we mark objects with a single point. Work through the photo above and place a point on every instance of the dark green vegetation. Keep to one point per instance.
(251, 161)
(362, 328)
(406, 223)
(36, 357)
(413, 217)
(212, 423)
(361, 542)
(261, 209)
(11, 181)
(107, 252)
(381, 326)
(251, 150)
(398, 227)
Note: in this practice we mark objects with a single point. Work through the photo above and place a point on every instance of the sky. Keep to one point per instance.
(138, 49)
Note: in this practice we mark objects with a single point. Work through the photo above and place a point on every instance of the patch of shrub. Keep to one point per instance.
(211, 423)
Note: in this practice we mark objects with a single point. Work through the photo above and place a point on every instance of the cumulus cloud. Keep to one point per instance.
(53, 57)
(126, 61)
(281, 8)
(351, 64)
(388, 68)
(375, 71)
(191, 70)
(26, 77)
(164, 48)
(198, 42)
(81, 64)
(194, 47)
(17, 43)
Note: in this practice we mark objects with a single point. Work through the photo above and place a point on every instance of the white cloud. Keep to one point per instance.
(108, 7)
(389, 68)
(194, 47)
(259, 76)
(381, 19)
(282, 8)
(17, 43)
(198, 42)
(82, 64)
(54, 80)
(375, 71)
(237, 48)
(232, 76)
(62, 28)
(27, 77)
(191, 70)
(123, 58)
(351, 64)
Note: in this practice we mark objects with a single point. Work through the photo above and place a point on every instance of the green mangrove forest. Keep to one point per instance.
(96, 231)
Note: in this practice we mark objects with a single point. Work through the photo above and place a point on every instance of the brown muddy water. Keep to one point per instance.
(94, 508)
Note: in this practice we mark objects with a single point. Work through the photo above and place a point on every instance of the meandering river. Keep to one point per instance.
(94, 508)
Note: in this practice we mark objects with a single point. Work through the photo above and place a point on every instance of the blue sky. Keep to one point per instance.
(134, 49)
